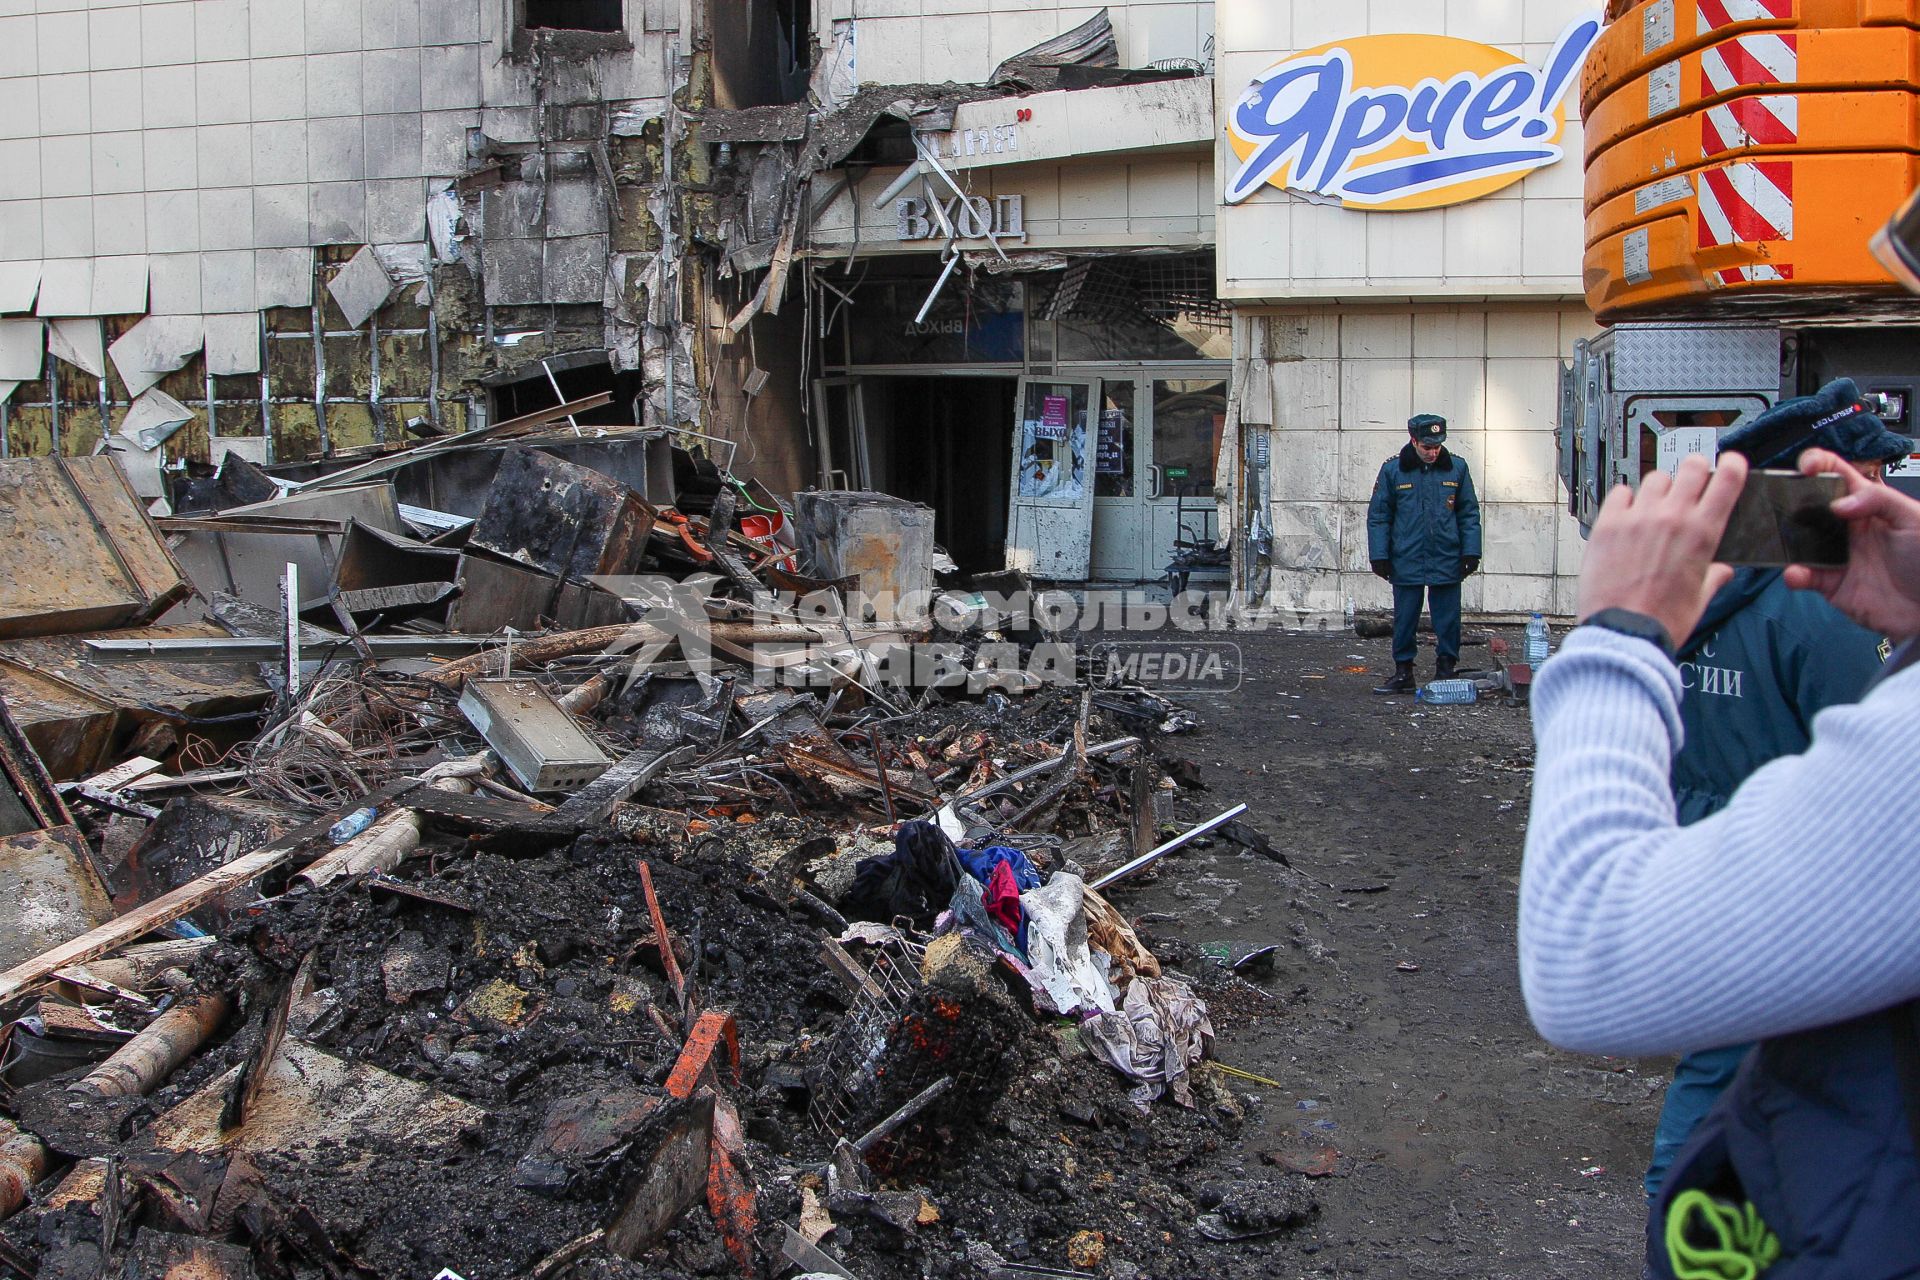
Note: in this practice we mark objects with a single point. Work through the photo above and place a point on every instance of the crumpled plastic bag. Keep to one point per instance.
(1058, 962)
(1159, 1035)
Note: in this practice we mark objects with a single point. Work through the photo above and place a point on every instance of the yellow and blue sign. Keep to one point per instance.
(1368, 122)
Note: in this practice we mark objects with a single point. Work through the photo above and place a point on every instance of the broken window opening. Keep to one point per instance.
(575, 15)
(578, 375)
(796, 32)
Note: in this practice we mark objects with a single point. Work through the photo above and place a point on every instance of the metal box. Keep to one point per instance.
(532, 734)
(561, 518)
(1640, 397)
(884, 541)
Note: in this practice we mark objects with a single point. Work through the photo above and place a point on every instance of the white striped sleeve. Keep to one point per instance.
(1796, 907)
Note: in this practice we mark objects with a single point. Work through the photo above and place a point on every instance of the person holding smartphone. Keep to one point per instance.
(1762, 662)
(1788, 917)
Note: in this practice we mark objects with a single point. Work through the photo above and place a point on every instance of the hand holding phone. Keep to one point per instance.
(1784, 518)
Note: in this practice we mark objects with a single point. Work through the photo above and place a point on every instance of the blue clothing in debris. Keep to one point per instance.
(980, 864)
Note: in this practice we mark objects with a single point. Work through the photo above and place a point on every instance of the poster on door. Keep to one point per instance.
(1053, 418)
(1110, 455)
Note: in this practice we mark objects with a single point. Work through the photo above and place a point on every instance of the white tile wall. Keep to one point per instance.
(220, 29)
(1341, 414)
(115, 100)
(61, 39)
(173, 221)
(220, 136)
(18, 54)
(118, 164)
(66, 103)
(20, 169)
(173, 284)
(66, 227)
(279, 88)
(167, 97)
(120, 223)
(66, 165)
(166, 33)
(276, 27)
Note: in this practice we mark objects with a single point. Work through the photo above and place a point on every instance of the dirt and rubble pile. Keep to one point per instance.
(694, 934)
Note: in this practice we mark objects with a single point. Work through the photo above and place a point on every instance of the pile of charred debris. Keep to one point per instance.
(381, 894)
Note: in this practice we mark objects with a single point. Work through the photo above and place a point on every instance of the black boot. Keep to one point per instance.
(1402, 681)
(1443, 668)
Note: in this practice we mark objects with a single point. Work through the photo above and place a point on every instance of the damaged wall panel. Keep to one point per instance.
(81, 553)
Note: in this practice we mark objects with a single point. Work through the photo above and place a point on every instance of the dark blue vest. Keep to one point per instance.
(1817, 1132)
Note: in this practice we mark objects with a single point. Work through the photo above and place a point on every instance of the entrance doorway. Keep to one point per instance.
(1159, 436)
(938, 440)
(1002, 461)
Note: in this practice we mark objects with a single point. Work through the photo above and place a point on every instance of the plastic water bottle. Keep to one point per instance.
(1539, 642)
(1447, 692)
(351, 825)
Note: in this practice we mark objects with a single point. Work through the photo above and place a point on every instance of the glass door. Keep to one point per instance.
(1189, 416)
(1050, 512)
(1122, 525)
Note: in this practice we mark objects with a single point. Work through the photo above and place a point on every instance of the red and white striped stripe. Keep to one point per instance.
(1715, 14)
(1764, 59)
(1755, 275)
(1768, 120)
(1746, 203)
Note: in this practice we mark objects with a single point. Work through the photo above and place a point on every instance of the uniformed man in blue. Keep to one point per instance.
(1762, 663)
(1423, 536)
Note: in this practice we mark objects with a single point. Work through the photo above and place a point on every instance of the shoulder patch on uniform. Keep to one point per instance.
(1406, 486)
(1886, 649)
(1451, 484)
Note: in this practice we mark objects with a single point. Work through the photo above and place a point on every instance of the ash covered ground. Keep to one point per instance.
(1395, 1116)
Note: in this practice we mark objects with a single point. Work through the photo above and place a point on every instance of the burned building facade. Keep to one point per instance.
(303, 228)
(984, 258)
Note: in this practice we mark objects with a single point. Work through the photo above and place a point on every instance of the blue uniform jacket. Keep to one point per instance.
(1424, 520)
(1763, 662)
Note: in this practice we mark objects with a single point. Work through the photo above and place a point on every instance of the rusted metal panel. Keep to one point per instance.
(80, 550)
(250, 562)
(495, 595)
(562, 518)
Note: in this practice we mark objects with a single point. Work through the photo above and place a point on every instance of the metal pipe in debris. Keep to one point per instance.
(150, 1057)
(23, 1162)
(1160, 851)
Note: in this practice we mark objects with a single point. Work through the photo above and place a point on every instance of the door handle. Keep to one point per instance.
(1155, 488)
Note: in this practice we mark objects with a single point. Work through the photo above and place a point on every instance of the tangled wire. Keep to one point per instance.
(348, 735)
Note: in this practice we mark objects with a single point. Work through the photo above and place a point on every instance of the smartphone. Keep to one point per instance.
(1785, 518)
